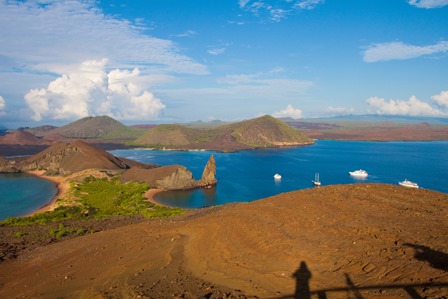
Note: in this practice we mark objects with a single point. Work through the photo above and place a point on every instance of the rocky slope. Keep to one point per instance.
(342, 241)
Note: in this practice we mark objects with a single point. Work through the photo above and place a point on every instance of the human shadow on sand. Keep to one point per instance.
(436, 259)
(303, 291)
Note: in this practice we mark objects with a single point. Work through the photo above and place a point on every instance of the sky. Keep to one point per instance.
(164, 61)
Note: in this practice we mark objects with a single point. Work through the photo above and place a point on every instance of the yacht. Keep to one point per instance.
(359, 173)
(408, 184)
(316, 181)
(277, 176)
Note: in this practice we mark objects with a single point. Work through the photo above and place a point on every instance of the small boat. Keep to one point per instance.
(408, 184)
(277, 176)
(359, 173)
(316, 181)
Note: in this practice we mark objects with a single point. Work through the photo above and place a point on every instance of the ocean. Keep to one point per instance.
(22, 194)
(248, 175)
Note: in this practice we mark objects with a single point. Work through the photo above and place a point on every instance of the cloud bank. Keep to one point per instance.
(89, 90)
(42, 34)
(401, 51)
(428, 3)
(411, 107)
(289, 111)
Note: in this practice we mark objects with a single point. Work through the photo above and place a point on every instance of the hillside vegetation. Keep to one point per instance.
(265, 131)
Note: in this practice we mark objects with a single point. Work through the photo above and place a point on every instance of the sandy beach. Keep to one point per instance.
(62, 184)
(150, 195)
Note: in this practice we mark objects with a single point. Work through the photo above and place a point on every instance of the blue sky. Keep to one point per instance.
(145, 61)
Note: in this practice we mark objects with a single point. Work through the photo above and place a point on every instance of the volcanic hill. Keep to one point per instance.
(265, 131)
(103, 127)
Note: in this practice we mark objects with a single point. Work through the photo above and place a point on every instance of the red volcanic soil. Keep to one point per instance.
(342, 241)
(373, 131)
(21, 138)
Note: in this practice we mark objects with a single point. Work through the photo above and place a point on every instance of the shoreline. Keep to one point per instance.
(149, 195)
(62, 187)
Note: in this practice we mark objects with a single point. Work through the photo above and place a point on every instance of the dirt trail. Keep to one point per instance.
(346, 236)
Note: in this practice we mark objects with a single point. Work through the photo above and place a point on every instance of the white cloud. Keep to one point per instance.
(278, 11)
(38, 33)
(401, 51)
(216, 51)
(308, 4)
(411, 107)
(289, 111)
(428, 3)
(90, 90)
(2, 104)
(441, 99)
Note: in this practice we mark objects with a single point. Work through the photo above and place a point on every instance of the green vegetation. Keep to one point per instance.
(265, 131)
(174, 135)
(99, 198)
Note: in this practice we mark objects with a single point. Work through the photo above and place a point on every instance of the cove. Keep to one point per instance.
(22, 194)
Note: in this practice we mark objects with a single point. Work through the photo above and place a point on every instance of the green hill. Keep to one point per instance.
(175, 136)
(265, 131)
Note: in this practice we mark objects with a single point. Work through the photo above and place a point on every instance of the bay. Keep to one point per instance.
(21, 194)
(248, 175)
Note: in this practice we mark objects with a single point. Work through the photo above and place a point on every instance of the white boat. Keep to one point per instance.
(316, 181)
(359, 173)
(277, 176)
(408, 184)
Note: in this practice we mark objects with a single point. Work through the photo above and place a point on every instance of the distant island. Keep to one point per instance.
(107, 133)
(262, 132)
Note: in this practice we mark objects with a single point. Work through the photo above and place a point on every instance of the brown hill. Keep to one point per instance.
(66, 158)
(21, 138)
(342, 241)
(92, 127)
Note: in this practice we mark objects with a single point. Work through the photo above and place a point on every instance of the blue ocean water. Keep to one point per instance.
(21, 194)
(248, 175)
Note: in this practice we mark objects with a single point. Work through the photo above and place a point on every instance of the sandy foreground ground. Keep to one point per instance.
(344, 241)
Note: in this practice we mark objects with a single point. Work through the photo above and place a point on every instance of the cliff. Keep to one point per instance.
(173, 177)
